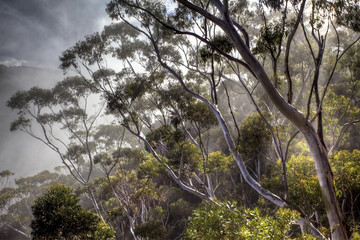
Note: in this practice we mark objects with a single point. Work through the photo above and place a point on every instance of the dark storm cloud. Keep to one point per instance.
(37, 31)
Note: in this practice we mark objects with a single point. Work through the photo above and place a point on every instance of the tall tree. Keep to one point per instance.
(62, 119)
(200, 47)
(156, 22)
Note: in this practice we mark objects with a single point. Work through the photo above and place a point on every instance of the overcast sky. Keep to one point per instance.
(34, 33)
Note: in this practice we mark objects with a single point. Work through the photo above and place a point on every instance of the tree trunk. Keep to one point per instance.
(316, 148)
(325, 176)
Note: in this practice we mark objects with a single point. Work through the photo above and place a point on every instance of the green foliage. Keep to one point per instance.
(75, 152)
(108, 134)
(4, 178)
(180, 208)
(273, 4)
(185, 154)
(185, 107)
(219, 162)
(103, 158)
(304, 188)
(62, 104)
(136, 88)
(270, 37)
(254, 142)
(346, 12)
(15, 202)
(152, 229)
(338, 111)
(41, 179)
(303, 185)
(180, 152)
(165, 134)
(21, 122)
(22, 101)
(346, 169)
(226, 222)
(6, 173)
(181, 18)
(221, 42)
(199, 113)
(127, 35)
(355, 235)
(70, 89)
(91, 49)
(150, 168)
(57, 215)
(129, 157)
(36, 95)
(254, 135)
(6, 196)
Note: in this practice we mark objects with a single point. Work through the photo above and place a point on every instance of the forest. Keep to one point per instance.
(190, 119)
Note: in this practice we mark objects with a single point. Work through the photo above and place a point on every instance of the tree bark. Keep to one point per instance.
(325, 176)
(316, 148)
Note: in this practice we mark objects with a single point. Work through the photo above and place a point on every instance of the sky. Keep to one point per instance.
(34, 33)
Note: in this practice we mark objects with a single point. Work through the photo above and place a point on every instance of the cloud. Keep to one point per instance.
(37, 31)
(12, 62)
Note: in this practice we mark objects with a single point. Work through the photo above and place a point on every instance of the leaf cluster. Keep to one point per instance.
(226, 222)
(57, 215)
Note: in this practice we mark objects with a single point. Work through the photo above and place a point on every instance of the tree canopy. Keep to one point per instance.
(57, 215)
(228, 100)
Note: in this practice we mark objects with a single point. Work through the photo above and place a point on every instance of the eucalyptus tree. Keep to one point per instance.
(192, 43)
(62, 119)
(141, 98)
(16, 202)
(344, 100)
(5, 176)
(57, 215)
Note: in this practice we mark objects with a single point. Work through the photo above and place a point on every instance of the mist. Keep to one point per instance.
(20, 153)
(33, 34)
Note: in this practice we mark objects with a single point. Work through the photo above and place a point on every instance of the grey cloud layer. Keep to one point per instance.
(37, 31)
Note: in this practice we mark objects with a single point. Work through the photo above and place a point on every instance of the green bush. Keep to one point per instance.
(225, 222)
(57, 215)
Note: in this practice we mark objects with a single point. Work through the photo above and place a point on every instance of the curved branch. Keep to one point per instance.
(176, 31)
(168, 169)
(229, 140)
(338, 57)
(344, 128)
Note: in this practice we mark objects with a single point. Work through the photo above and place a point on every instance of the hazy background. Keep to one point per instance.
(33, 34)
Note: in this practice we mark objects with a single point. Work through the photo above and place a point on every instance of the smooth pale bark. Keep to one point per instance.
(168, 169)
(316, 148)
(232, 148)
(325, 176)
(17, 230)
(229, 140)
